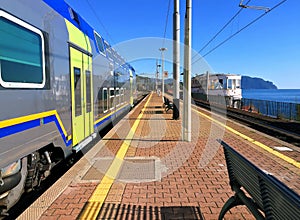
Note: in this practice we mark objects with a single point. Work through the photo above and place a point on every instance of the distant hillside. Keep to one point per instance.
(256, 83)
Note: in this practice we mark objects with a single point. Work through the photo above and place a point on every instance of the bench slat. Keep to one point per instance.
(267, 193)
(280, 202)
(168, 105)
(242, 174)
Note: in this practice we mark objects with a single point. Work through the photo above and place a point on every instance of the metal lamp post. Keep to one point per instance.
(162, 49)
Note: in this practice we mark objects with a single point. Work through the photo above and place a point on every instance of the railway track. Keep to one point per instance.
(56, 173)
(282, 129)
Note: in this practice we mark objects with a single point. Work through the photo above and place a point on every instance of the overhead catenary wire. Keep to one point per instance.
(99, 20)
(220, 31)
(166, 24)
(240, 30)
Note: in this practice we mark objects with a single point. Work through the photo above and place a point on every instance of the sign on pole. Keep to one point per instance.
(166, 74)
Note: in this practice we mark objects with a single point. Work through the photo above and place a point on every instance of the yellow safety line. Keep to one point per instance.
(98, 197)
(257, 143)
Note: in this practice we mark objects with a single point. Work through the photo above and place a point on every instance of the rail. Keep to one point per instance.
(268, 197)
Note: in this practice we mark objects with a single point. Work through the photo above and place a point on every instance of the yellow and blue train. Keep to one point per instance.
(60, 84)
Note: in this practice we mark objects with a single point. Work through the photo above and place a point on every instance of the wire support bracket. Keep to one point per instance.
(266, 9)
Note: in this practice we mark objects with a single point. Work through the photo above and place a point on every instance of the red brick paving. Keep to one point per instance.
(194, 175)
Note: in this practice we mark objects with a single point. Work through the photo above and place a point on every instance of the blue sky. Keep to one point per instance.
(270, 48)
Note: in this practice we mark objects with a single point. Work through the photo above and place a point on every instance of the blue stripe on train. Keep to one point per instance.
(19, 127)
(52, 118)
(13, 129)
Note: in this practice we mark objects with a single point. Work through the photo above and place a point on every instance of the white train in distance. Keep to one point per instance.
(215, 88)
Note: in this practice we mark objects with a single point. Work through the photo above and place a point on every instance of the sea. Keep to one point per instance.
(278, 95)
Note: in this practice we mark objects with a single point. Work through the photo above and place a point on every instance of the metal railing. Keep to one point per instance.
(283, 110)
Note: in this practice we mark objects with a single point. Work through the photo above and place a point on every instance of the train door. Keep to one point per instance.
(82, 95)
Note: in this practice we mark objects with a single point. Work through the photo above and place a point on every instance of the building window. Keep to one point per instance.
(22, 59)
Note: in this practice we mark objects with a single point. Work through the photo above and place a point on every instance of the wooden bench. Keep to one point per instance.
(267, 197)
(168, 105)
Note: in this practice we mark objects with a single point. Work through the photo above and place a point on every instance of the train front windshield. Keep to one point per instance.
(233, 84)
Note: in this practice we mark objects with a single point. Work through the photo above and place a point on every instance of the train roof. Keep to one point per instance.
(219, 75)
(66, 11)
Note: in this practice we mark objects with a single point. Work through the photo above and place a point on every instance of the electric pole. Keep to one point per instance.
(186, 122)
(162, 49)
(176, 59)
(156, 76)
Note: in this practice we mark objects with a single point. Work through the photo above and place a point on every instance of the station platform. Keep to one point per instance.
(142, 169)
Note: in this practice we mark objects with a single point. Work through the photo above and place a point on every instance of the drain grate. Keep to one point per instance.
(133, 169)
(181, 212)
(154, 112)
(139, 169)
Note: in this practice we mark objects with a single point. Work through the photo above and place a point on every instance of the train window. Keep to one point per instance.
(219, 84)
(22, 59)
(99, 42)
(111, 69)
(98, 103)
(238, 83)
(77, 86)
(229, 84)
(111, 98)
(107, 46)
(225, 84)
(104, 98)
(121, 95)
(108, 50)
(88, 91)
(118, 97)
